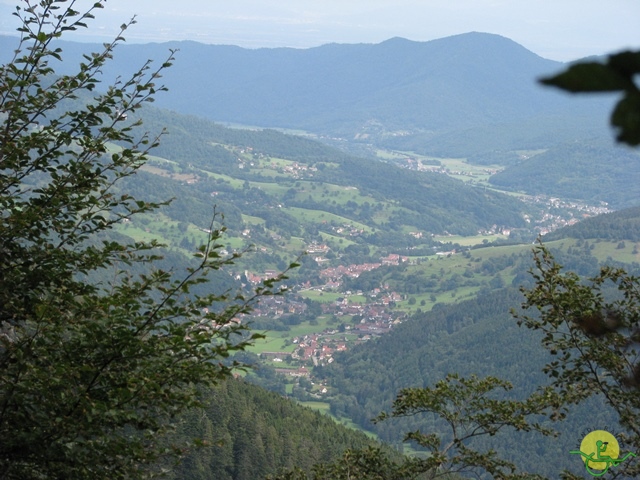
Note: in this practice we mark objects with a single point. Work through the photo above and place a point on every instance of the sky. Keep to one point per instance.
(561, 30)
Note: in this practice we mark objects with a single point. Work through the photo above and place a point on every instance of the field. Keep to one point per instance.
(469, 241)
(276, 341)
(455, 167)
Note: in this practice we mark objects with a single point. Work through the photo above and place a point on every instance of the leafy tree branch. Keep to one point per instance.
(100, 349)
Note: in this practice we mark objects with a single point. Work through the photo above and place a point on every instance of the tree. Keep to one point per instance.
(362, 464)
(96, 361)
(471, 408)
(592, 329)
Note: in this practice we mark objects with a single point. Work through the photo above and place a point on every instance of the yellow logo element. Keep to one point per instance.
(600, 451)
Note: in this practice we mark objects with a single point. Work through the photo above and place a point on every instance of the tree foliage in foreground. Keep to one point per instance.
(95, 362)
(592, 328)
(364, 464)
(618, 73)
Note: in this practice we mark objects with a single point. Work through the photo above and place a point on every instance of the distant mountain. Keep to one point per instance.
(391, 90)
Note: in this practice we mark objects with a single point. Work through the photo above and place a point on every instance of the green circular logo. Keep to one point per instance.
(600, 451)
(599, 443)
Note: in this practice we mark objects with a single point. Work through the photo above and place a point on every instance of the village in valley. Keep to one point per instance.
(318, 319)
(353, 317)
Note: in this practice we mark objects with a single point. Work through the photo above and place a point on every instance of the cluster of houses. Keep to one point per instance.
(295, 169)
(572, 212)
(349, 230)
(255, 279)
(319, 347)
(394, 259)
(496, 230)
(372, 319)
(318, 248)
(276, 306)
(334, 274)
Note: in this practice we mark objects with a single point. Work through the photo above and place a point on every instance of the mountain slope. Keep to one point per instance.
(449, 83)
(476, 337)
(589, 170)
(429, 201)
(397, 86)
(251, 433)
(621, 225)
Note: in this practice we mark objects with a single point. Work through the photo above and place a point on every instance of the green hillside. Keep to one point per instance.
(618, 226)
(250, 433)
(491, 144)
(475, 337)
(300, 188)
(588, 170)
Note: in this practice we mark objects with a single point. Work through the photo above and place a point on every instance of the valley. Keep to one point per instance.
(369, 261)
(365, 266)
(383, 241)
(370, 225)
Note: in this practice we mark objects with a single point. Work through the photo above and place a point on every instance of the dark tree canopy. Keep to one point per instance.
(96, 361)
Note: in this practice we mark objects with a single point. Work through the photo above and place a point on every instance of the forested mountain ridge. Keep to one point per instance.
(620, 226)
(395, 87)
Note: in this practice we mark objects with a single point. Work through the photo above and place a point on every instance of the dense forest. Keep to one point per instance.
(249, 433)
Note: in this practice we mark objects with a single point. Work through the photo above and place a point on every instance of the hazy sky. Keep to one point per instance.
(556, 29)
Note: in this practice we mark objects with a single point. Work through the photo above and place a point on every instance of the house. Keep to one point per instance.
(293, 372)
(275, 356)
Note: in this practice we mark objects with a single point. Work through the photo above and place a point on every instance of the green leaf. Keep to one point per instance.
(626, 118)
(589, 77)
(627, 63)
